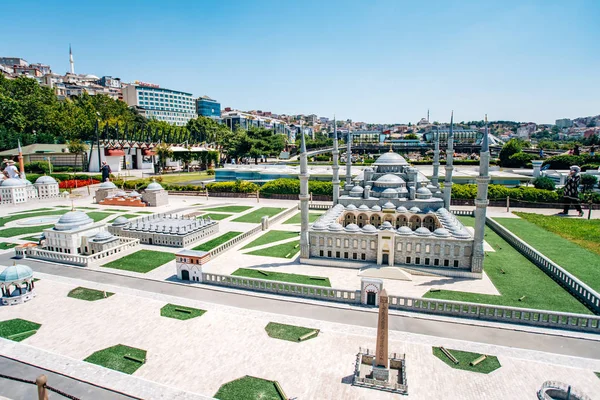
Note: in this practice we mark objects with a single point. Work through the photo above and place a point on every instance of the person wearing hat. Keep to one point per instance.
(571, 195)
(11, 171)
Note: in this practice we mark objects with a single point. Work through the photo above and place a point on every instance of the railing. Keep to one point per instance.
(467, 213)
(525, 316)
(550, 386)
(313, 206)
(283, 288)
(588, 296)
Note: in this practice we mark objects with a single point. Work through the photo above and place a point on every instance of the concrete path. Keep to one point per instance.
(551, 341)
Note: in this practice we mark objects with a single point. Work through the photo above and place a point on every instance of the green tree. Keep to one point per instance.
(411, 136)
(588, 181)
(510, 148)
(163, 151)
(78, 148)
(543, 182)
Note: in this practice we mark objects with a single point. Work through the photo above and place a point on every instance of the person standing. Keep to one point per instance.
(571, 195)
(105, 171)
(11, 171)
(576, 150)
(592, 150)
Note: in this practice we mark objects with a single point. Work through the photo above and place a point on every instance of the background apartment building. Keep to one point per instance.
(162, 104)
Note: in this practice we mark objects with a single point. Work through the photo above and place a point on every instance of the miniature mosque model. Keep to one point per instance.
(16, 285)
(18, 190)
(392, 215)
(153, 196)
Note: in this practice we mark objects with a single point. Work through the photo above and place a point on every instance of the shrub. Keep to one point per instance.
(565, 161)
(543, 182)
(511, 147)
(590, 166)
(281, 186)
(210, 172)
(588, 181)
(498, 192)
(322, 157)
(37, 167)
(519, 160)
(232, 187)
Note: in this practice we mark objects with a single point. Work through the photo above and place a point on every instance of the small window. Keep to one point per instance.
(329, 253)
(408, 260)
(337, 254)
(321, 253)
(363, 256)
(446, 263)
(455, 263)
(345, 254)
(418, 248)
(418, 260)
(354, 256)
(427, 261)
(436, 261)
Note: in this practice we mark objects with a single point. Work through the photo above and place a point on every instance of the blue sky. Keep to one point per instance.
(373, 61)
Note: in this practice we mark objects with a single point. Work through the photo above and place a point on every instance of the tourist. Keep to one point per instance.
(105, 171)
(11, 171)
(592, 151)
(541, 153)
(571, 194)
(576, 150)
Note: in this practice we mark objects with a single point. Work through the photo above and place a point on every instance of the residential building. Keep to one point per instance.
(208, 107)
(110, 82)
(526, 130)
(564, 123)
(245, 120)
(12, 61)
(311, 119)
(162, 104)
(27, 70)
(43, 68)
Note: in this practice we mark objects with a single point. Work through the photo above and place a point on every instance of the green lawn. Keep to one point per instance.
(88, 208)
(184, 177)
(216, 217)
(520, 278)
(128, 216)
(288, 332)
(36, 210)
(5, 220)
(312, 217)
(7, 246)
(144, 212)
(180, 312)
(271, 237)
(284, 250)
(283, 277)
(256, 215)
(464, 358)
(114, 358)
(82, 293)
(229, 209)
(248, 388)
(141, 261)
(18, 329)
(32, 238)
(219, 240)
(576, 259)
(23, 230)
(99, 215)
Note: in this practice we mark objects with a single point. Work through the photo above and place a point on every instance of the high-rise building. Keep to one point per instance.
(162, 104)
(12, 61)
(564, 123)
(208, 107)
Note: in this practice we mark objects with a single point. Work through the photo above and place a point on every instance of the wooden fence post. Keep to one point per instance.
(507, 204)
(41, 384)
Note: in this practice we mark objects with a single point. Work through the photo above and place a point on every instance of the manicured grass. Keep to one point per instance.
(229, 209)
(7, 246)
(312, 217)
(284, 250)
(283, 277)
(5, 220)
(288, 332)
(219, 240)
(248, 388)
(520, 278)
(216, 217)
(128, 216)
(36, 210)
(185, 177)
(87, 208)
(576, 259)
(99, 215)
(114, 358)
(271, 237)
(23, 230)
(32, 238)
(144, 212)
(180, 312)
(255, 216)
(584, 232)
(488, 365)
(18, 329)
(141, 261)
(82, 293)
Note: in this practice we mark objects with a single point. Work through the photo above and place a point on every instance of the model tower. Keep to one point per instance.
(304, 197)
(449, 166)
(336, 167)
(436, 158)
(349, 160)
(481, 202)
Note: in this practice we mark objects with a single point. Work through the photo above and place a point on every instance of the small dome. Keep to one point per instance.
(45, 180)
(390, 193)
(357, 189)
(404, 230)
(415, 210)
(387, 225)
(363, 207)
(368, 228)
(423, 190)
(73, 220)
(422, 231)
(133, 193)
(390, 158)
(368, 169)
(154, 186)
(121, 193)
(389, 206)
(462, 234)
(103, 235)
(16, 272)
(441, 232)
(335, 227)
(442, 210)
(376, 208)
(319, 226)
(352, 228)
(107, 185)
(27, 182)
(120, 221)
(13, 182)
(389, 180)
(351, 207)
(402, 209)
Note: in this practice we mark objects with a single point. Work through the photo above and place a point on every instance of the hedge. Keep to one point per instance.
(233, 187)
(530, 194)
(565, 161)
(64, 177)
(292, 186)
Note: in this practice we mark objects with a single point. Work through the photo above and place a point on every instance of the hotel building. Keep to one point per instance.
(162, 104)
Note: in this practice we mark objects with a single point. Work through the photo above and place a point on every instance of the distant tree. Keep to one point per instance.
(411, 136)
(163, 151)
(78, 148)
(510, 148)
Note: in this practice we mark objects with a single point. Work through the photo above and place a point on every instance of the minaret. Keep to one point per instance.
(71, 60)
(449, 167)
(304, 197)
(21, 164)
(436, 158)
(349, 158)
(481, 202)
(336, 167)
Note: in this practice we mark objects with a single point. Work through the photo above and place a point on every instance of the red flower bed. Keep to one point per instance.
(76, 183)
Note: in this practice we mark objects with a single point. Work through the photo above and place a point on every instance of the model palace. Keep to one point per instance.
(392, 215)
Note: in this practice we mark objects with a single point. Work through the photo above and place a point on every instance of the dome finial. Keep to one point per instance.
(391, 150)
(72, 205)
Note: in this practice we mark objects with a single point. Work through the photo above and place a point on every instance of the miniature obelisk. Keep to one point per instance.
(380, 369)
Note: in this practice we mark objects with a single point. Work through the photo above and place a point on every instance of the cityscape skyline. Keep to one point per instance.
(545, 79)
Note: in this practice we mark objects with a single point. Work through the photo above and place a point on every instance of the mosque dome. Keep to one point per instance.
(368, 228)
(319, 226)
(390, 193)
(389, 206)
(14, 182)
(16, 272)
(405, 230)
(363, 207)
(352, 228)
(387, 225)
(154, 186)
(402, 209)
(27, 182)
(45, 180)
(120, 221)
(376, 208)
(133, 193)
(390, 158)
(357, 189)
(441, 232)
(415, 210)
(107, 185)
(423, 190)
(351, 207)
(335, 227)
(120, 193)
(103, 235)
(73, 220)
(422, 231)
(462, 234)
(389, 180)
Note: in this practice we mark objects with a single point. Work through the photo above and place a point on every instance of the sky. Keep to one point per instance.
(372, 61)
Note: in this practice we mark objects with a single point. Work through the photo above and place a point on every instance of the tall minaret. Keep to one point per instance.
(71, 62)
(349, 158)
(304, 197)
(336, 167)
(481, 202)
(449, 167)
(436, 158)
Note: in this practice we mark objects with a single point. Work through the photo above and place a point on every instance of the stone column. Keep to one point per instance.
(336, 167)
(436, 159)
(449, 166)
(481, 203)
(537, 167)
(304, 197)
(381, 353)
(349, 159)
